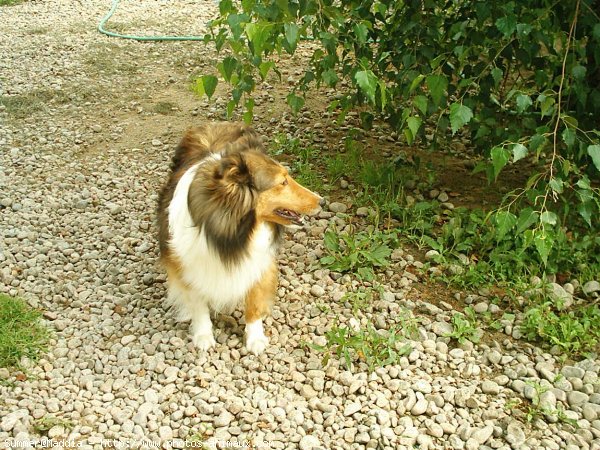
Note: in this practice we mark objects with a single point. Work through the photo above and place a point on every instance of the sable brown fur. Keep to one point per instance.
(226, 184)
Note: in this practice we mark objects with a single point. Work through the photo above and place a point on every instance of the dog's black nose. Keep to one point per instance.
(322, 202)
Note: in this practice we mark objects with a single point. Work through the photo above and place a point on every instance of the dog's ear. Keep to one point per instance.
(234, 169)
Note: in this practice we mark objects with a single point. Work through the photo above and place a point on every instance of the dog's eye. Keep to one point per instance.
(285, 182)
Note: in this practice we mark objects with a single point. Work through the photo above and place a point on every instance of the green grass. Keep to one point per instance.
(10, 2)
(21, 333)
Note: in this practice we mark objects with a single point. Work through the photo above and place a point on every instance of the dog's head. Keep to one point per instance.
(268, 188)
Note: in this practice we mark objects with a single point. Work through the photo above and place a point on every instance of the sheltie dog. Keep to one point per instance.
(221, 216)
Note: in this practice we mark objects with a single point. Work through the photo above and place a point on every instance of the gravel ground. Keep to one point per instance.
(86, 131)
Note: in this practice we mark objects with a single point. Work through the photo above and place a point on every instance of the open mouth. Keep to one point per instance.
(292, 216)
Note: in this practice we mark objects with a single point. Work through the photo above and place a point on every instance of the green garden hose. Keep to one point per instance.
(115, 4)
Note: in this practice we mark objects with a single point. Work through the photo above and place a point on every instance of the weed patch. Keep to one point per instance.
(576, 331)
(45, 423)
(359, 252)
(465, 327)
(369, 346)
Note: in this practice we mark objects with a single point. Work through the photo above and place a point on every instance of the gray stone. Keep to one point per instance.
(422, 386)
(317, 290)
(431, 254)
(572, 372)
(419, 408)
(165, 433)
(576, 398)
(482, 435)
(590, 287)
(490, 387)
(224, 419)
(442, 328)
(309, 442)
(338, 207)
(493, 356)
(352, 408)
(481, 307)
(10, 420)
(561, 298)
(515, 435)
(435, 430)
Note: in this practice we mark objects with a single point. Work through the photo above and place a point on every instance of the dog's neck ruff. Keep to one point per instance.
(201, 265)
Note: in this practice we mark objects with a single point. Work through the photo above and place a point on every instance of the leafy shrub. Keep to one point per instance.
(520, 79)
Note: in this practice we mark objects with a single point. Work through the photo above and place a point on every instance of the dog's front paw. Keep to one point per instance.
(204, 342)
(257, 344)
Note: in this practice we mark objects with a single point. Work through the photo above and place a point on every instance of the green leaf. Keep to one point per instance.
(507, 25)
(505, 221)
(227, 66)
(295, 102)
(235, 22)
(415, 82)
(496, 75)
(584, 183)
(249, 113)
(499, 159)
(523, 102)
(578, 72)
(225, 7)
(331, 241)
(537, 143)
(258, 33)
(383, 94)
(543, 242)
(330, 77)
(437, 85)
(568, 136)
(557, 185)
(527, 217)
(523, 29)
(594, 152)
(264, 68)
(549, 217)
(460, 115)
(361, 32)
(327, 260)
(367, 81)
(206, 85)
(231, 104)
(519, 151)
(586, 210)
(414, 123)
(291, 36)
(546, 104)
(420, 101)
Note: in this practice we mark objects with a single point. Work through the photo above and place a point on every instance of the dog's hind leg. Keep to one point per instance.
(258, 305)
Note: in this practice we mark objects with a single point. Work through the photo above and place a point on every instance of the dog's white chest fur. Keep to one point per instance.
(222, 287)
